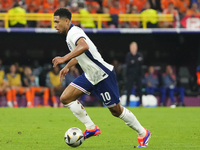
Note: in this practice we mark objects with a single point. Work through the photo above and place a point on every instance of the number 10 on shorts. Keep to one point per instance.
(106, 97)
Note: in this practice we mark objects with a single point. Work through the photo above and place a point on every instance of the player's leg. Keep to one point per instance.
(69, 97)
(33, 90)
(8, 96)
(181, 92)
(53, 97)
(45, 92)
(171, 95)
(27, 92)
(129, 118)
(108, 91)
(14, 90)
(129, 87)
(139, 88)
(163, 95)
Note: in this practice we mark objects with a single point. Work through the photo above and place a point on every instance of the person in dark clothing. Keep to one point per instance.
(134, 62)
(155, 4)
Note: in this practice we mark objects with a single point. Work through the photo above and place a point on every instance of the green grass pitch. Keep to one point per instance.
(44, 128)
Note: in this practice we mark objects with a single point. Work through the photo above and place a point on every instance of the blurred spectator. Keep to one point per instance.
(62, 4)
(33, 5)
(152, 84)
(52, 4)
(33, 83)
(134, 61)
(169, 83)
(115, 10)
(174, 12)
(6, 5)
(14, 80)
(149, 16)
(19, 69)
(75, 10)
(19, 21)
(54, 84)
(124, 5)
(165, 3)
(196, 1)
(36, 68)
(139, 4)
(193, 11)
(106, 4)
(4, 88)
(182, 6)
(155, 4)
(86, 23)
(46, 9)
(95, 7)
(71, 75)
(134, 24)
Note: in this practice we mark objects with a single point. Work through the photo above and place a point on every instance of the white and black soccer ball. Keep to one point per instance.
(74, 137)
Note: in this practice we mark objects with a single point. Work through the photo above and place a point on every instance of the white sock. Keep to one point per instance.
(78, 110)
(130, 119)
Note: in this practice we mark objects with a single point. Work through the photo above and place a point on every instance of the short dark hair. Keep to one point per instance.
(63, 12)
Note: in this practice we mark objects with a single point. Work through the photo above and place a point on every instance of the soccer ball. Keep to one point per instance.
(74, 137)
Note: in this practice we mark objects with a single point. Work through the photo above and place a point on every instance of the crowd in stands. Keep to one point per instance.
(29, 81)
(178, 8)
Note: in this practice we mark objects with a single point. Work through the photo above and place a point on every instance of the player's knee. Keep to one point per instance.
(64, 99)
(115, 113)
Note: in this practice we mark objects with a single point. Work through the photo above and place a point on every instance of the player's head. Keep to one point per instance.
(62, 20)
(133, 48)
(56, 69)
(27, 71)
(151, 69)
(12, 68)
(169, 69)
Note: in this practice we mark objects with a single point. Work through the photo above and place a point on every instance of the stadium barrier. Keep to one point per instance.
(99, 18)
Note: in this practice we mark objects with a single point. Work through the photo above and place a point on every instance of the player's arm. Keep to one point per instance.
(65, 70)
(71, 63)
(81, 48)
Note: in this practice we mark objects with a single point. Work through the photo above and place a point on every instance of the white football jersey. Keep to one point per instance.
(93, 65)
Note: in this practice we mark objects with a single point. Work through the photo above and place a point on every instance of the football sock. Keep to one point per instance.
(9, 96)
(54, 99)
(129, 118)
(46, 96)
(78, 110)
(28, 97)
(14, 92)
(32, 94)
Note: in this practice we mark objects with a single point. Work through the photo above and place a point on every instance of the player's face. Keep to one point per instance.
(151, 70)
(61, 24)
(169, 70)
(133, 48)
(27, 71)
(12, 68)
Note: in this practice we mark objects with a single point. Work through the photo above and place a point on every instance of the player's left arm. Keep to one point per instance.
(81, 48)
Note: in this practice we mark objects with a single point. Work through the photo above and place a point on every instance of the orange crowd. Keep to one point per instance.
(178, 8)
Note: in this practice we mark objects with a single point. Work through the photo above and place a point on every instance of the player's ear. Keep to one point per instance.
(67, 21)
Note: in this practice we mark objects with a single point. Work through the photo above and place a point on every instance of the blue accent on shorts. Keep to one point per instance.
(107, 89)
(89, 55)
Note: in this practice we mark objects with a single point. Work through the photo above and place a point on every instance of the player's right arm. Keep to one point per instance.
(65, 70)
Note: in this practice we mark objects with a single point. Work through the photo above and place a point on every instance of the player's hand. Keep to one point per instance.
(57, 60)
(63, 72)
